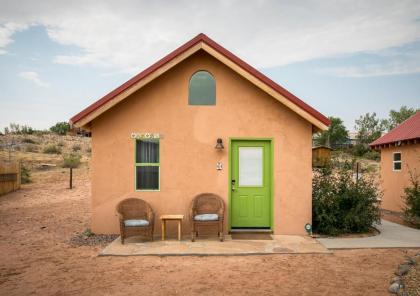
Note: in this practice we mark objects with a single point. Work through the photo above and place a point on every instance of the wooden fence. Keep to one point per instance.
(9, 176)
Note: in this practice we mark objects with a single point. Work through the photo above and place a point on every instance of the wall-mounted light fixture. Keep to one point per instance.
(219, 144)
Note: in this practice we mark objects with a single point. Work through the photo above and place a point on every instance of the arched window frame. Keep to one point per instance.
(209, 101)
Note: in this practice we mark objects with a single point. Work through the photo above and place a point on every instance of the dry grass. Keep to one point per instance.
(29, 150)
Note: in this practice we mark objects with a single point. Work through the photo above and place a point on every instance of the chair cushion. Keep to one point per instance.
(206, 217)
(133, 223)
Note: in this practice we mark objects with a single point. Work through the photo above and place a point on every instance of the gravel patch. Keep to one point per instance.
(91, 239)
(412, 281)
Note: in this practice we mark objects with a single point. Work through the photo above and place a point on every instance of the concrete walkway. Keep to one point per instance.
(280, 244)
(392, 236)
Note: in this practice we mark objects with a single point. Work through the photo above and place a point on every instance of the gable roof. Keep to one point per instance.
(201, 42)
(408, 130)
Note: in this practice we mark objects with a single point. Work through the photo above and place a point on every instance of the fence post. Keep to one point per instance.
(71, 177)
(357, 173)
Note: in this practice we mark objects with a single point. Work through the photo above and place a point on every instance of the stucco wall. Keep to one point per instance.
(188, 158)
(394, 182)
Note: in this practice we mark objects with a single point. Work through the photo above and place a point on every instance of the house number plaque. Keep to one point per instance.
(146, 136)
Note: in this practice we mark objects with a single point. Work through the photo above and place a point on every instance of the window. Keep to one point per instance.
(396, 163)
(147, 164)
(202, 89)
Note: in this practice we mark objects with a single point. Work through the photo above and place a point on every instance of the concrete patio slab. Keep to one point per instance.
(281, 244)
(391, 235)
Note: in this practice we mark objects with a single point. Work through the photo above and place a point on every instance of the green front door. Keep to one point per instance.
(250, 184)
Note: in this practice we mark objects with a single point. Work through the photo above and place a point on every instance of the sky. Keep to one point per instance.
(344, 58)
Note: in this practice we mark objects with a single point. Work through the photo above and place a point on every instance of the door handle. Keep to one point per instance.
(233, 185)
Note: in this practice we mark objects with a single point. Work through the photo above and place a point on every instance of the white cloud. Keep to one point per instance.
(130, 35)
(6, 32)
(34, 77)
(388, 62)
(372, 70)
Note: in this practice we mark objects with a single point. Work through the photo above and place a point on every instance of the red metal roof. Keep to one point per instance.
(201, 38)
(408, 130)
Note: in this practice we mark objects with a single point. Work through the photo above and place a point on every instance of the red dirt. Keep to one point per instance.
(38, 221)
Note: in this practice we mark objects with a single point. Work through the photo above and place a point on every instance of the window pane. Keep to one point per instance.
(250, 166)
(202, 89)
(397, 156)
(147, 177)
(147, 151)
(397, 166)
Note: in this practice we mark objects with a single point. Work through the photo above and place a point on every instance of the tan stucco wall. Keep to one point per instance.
(188, 158)
(394, 182)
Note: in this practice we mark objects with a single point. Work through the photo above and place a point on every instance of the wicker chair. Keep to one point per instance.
(207, 209)
(136, 217)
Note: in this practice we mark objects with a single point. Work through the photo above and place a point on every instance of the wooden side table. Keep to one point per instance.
(165, 218)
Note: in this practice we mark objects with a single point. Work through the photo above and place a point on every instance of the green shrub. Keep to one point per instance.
(372, 155)
(71, 160)
(342, 205)
(28, 141)
(412, 200)
(76, 147)
(60, 128)
(25, 175)
(359, 150)
(51, 149)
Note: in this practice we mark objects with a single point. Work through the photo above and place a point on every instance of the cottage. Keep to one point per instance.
(400, 155)
(202, 120)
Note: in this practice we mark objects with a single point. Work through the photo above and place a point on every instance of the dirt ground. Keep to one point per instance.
(38, 221)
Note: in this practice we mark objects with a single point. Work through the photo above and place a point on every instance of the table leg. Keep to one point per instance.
(163, 229)
(179, 230)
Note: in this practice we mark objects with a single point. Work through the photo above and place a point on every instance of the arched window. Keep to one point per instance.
(202, 90)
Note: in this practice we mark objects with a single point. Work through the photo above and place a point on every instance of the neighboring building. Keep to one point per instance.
(400, 154)
(352, 139)
(154, 137)
(321, 156)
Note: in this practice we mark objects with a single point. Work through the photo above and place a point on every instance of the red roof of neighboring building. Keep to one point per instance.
(408, 130)
(202, 38)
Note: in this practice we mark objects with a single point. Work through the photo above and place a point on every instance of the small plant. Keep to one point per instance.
(341, 204)
(89, 150)
(76, 147)
(51, 149)
(60, 143)
(412, 200)
(88, 233)
(25, 175)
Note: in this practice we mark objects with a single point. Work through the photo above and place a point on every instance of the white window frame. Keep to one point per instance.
(396, 161)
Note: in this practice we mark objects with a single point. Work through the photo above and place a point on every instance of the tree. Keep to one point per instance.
(335, 135)
(71, 161)
(398, 117)
(368, 128)
(60, 128)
